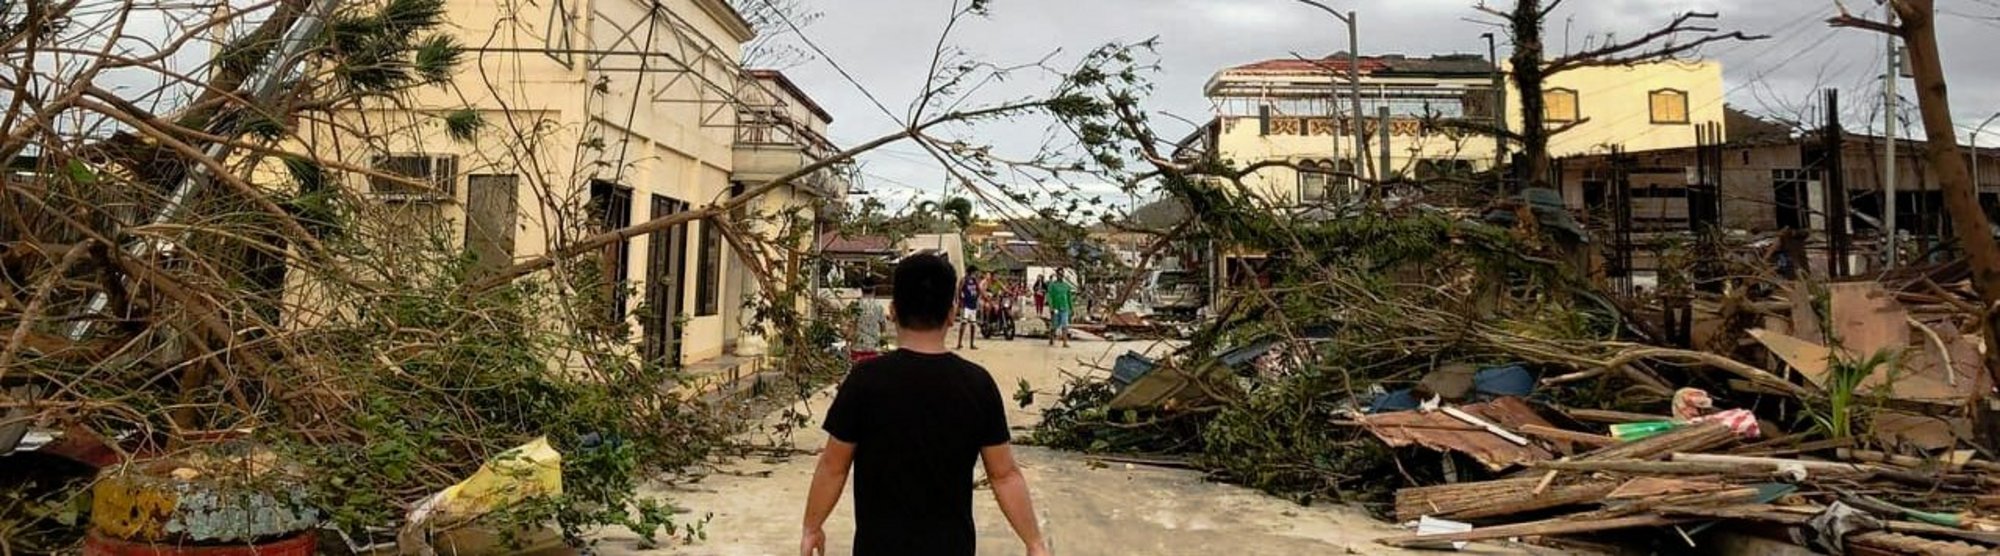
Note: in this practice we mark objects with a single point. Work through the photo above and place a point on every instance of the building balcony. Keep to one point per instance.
(767, 149)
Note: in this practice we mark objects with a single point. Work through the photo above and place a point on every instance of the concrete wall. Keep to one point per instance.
(1614, 100)
(1243, 142)
(1616, 103)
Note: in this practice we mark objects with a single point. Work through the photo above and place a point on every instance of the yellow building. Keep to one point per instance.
(597, 115)
(1301, 111)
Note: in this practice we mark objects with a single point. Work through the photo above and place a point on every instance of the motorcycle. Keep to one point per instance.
(997, 319)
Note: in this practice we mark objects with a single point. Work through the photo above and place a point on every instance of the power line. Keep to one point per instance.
(1825, 36)
(823, 55)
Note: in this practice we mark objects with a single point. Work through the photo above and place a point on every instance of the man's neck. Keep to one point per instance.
(922, 341)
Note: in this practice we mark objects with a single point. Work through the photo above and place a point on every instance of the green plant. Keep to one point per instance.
(1837, 413)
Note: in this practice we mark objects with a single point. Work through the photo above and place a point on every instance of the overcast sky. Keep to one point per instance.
(886, 45)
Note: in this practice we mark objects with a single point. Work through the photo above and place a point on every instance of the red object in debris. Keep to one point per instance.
(302, 544)
(80, 445)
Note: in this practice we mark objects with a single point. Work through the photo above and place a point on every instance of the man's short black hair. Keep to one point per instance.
(926, 285)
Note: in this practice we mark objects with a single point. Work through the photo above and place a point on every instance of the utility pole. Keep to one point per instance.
(1975, 148)
(1353, 84)
(1354, 87)
(1889, 153)
(1382, 172)
(1499, 107)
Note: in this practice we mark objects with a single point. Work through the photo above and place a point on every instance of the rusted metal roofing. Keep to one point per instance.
(1389, 65)
(836, 243)
(1439, 431)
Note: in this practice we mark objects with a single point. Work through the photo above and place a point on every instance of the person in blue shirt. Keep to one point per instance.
(969, 291)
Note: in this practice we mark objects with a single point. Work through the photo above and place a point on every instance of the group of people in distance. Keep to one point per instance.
(1056, 296)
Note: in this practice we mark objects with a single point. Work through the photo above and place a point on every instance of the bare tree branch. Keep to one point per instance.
(1623, 53)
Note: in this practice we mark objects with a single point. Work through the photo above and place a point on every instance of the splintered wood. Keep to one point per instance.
(1443, 432)
(1692, 438)
(1495, 498)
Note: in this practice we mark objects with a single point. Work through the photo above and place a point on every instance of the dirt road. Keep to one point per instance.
(1087, 509)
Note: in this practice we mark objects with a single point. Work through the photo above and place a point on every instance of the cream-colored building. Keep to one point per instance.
(781, 131)
(599, 114)
(1301, 111)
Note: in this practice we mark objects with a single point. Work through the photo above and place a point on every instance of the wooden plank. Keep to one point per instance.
(1650, 487)
(1692, 438)
(1584, 438)
(1771, 463)
(1866, 318)
(1465, 501)
(1805, 320)
(1808, 358)
(1611, 416)
(1557, 526)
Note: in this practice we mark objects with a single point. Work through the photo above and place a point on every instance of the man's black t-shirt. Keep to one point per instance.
(917, 422)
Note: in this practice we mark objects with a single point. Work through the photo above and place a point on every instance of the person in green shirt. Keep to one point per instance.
(1062, 299)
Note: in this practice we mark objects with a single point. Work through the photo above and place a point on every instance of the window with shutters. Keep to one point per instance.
(1669, 106)
(434, 177)
(1317, 185)
(708, 273)
(1559, 105)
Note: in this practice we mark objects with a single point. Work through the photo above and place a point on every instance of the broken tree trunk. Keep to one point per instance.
(1494, 498)
(1961, 198)
(1526, 24)
(1692, 438)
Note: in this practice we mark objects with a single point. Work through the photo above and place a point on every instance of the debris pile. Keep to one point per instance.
(1458, 376)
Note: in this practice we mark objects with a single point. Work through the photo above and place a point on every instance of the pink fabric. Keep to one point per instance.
(1739, 420)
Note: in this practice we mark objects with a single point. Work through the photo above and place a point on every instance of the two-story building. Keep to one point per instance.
(598, 115)
(1300, 110)
(780, 130)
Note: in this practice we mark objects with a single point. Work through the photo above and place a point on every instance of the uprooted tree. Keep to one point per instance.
(1358, 296)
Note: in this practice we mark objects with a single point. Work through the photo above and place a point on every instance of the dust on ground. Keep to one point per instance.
(754, 505)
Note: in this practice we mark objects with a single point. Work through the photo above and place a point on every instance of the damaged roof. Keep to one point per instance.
(1391, 65)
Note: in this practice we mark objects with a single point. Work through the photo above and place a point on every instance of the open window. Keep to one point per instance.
(611, 207)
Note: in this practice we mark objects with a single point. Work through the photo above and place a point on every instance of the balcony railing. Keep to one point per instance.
(757, 129)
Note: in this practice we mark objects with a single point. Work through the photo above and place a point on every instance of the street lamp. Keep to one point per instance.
(1975, 149)
(1353, 78)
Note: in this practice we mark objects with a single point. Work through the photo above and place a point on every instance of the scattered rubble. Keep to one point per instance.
(1828, 415)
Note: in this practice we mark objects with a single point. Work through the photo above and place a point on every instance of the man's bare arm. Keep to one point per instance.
(1011, 490)
(828, 480)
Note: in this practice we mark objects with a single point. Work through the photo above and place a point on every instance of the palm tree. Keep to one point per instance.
(932, 212)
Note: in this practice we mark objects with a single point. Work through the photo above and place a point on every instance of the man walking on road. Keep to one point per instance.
(1062, 299)
(909, 424)
(969, 292)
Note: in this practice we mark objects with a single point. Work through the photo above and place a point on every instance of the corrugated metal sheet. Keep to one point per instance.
(1393, 65)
